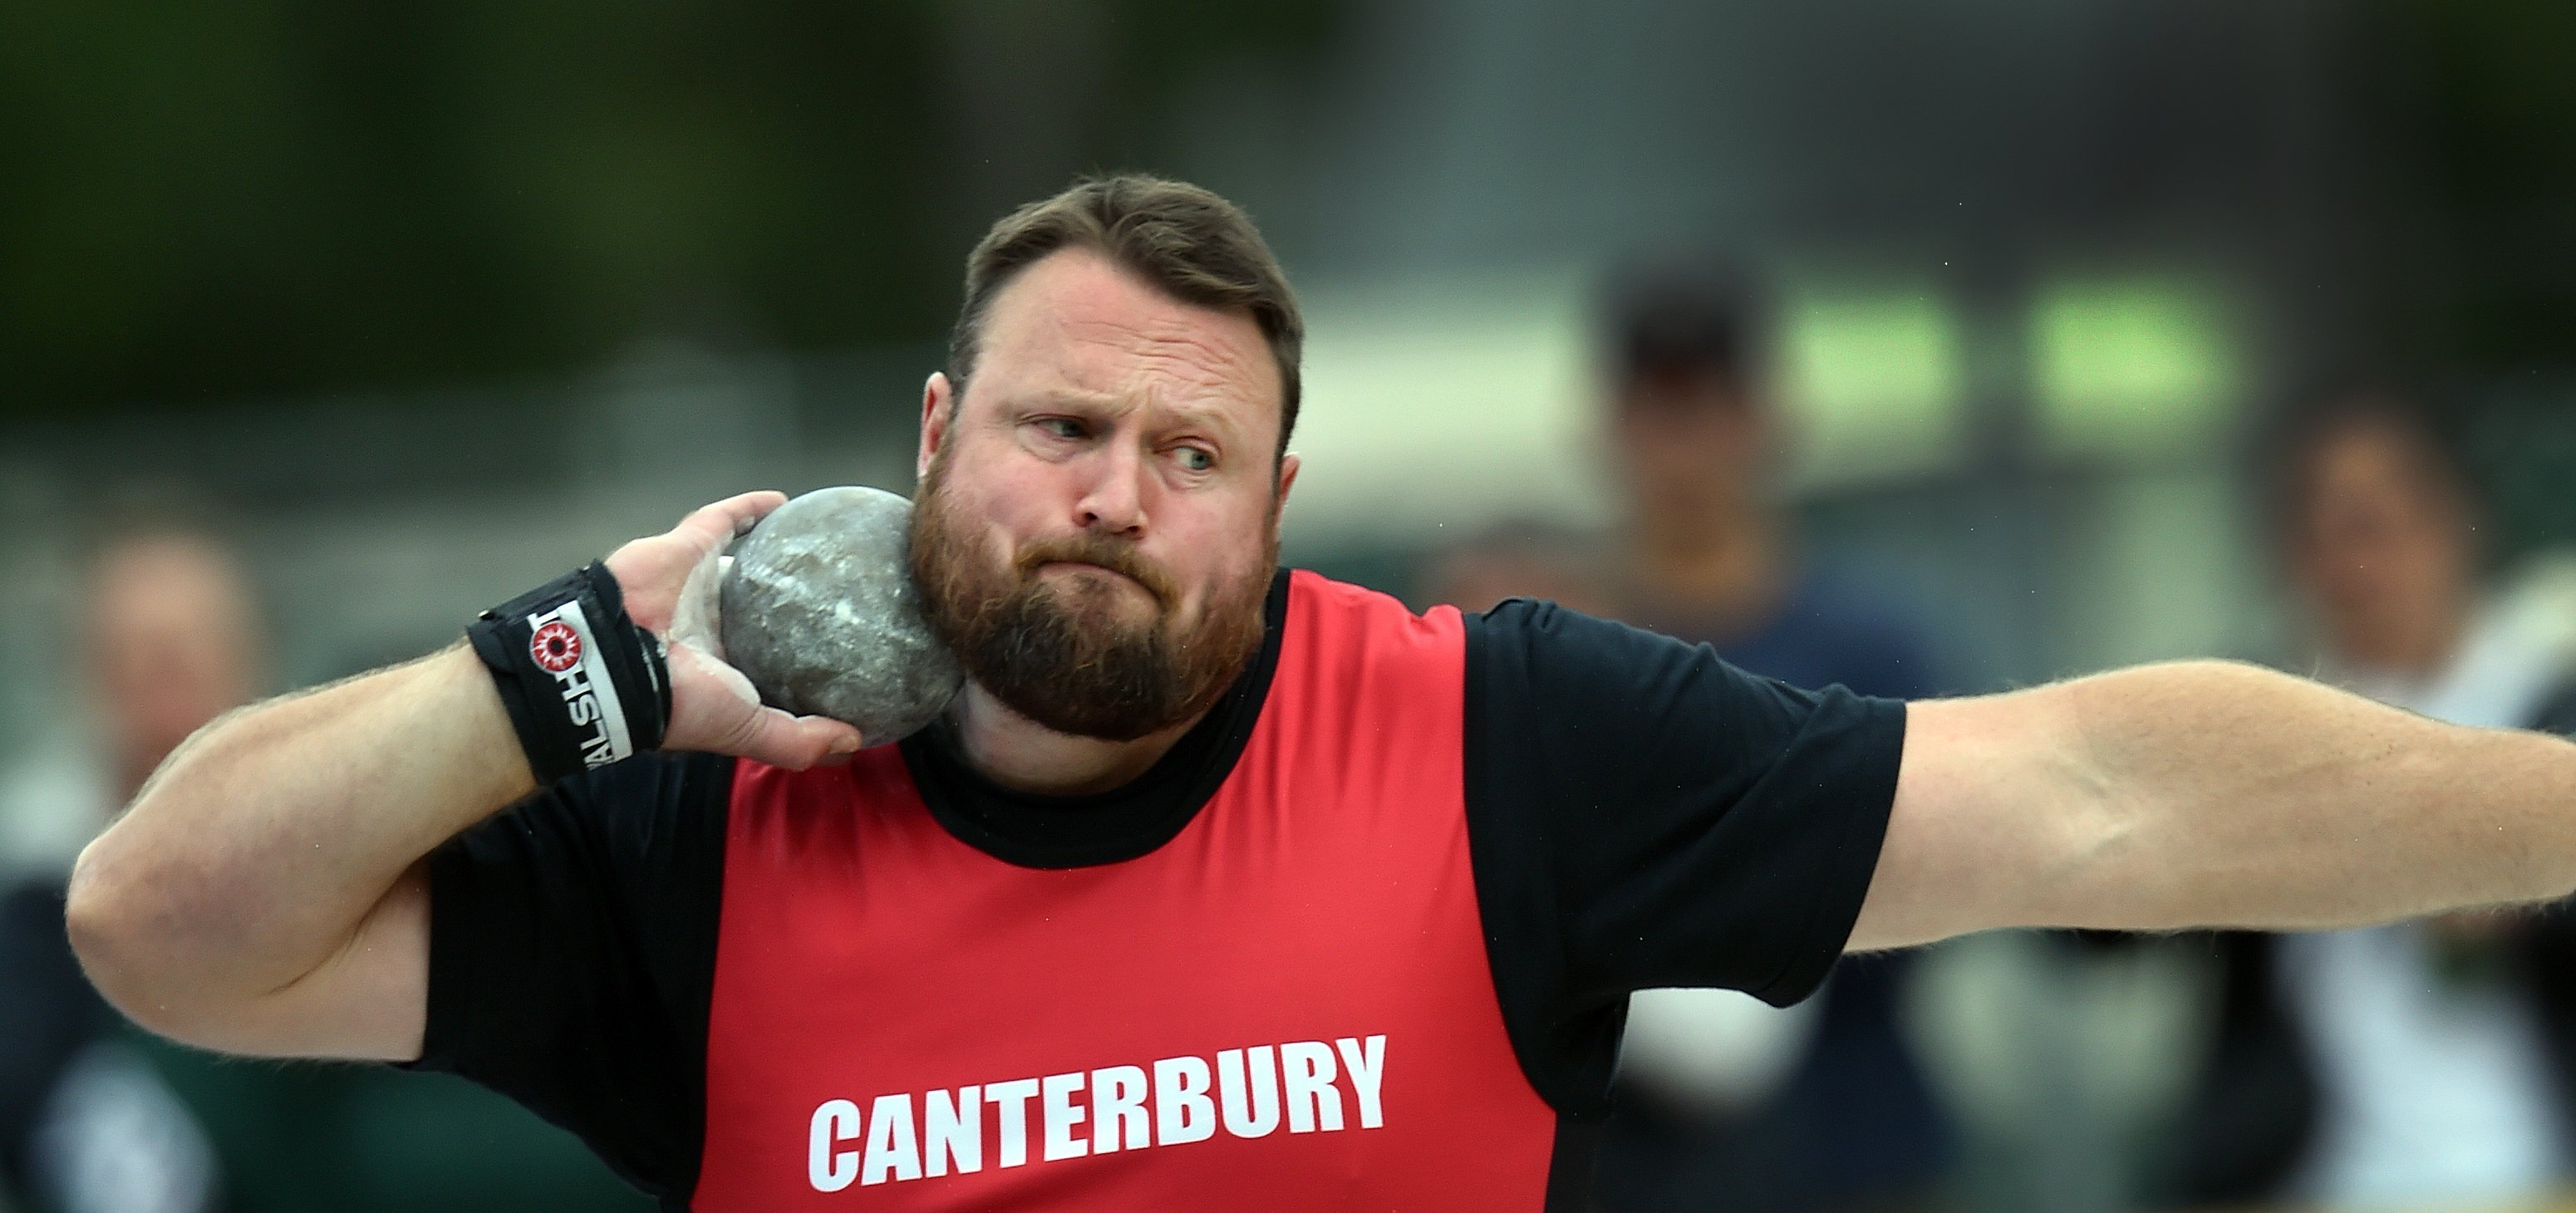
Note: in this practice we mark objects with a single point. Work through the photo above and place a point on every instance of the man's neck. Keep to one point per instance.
(2418, 649)
(1730, 569)
(1019, 753)
(132, 772)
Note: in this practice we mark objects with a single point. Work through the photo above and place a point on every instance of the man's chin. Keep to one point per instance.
(1075, 712)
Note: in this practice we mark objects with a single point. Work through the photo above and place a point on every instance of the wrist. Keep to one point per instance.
(498, 767)
(581, 684)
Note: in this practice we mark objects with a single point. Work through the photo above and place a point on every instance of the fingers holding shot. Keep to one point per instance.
(2032, 708)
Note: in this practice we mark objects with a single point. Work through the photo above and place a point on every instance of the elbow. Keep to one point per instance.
(107, 918)
(126, 927)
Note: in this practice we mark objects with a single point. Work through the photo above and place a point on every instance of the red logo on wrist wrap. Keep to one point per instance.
(555, 647)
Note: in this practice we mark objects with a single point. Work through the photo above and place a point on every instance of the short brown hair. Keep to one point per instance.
(1194, 246)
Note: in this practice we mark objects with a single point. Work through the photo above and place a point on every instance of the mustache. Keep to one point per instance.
(1111, 554)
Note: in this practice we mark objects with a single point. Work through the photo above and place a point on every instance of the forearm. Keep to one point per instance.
(2231, 796)
(252, 857)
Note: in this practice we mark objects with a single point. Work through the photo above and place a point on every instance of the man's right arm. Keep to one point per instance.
(265, 892)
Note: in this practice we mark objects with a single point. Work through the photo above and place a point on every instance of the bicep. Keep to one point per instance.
(368, 1002)
(1997, 805)
(1684, 823)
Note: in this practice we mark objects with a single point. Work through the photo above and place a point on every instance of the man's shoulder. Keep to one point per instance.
(1311, 591)
(1534, 628)
(1348, 611)
(1326, 616)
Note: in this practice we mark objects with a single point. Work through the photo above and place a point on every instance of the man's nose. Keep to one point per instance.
(1114, 500)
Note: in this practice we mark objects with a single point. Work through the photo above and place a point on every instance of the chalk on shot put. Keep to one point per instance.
(817, 607)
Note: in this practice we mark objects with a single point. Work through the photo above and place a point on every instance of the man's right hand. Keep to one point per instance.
(713, 707)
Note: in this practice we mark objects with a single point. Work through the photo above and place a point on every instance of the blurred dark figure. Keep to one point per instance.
(2417, 1063)
(87, 1124)
(1723, 1103)
(171, 639)
(1522, 560)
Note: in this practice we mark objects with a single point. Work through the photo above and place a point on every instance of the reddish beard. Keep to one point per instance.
(1075, 667)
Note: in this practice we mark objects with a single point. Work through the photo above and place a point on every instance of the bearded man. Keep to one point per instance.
(1219, 886)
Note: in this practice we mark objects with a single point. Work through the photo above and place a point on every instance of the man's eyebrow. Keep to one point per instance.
(1218, 418)
(1056, 397)
(1221, 419)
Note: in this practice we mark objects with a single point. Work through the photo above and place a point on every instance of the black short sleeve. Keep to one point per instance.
(572, 958)
(1644, 815)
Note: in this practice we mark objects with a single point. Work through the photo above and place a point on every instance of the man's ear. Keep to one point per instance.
(936, 397)
(1288, 465)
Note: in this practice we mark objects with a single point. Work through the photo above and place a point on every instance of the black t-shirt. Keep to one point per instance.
(1640, 814)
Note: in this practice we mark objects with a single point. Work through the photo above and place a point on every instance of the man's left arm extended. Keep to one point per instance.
(2209, 794)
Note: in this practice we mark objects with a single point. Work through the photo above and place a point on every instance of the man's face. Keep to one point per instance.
(2380, 547)
(1098, 516)
(1690, 443)
(170, 643)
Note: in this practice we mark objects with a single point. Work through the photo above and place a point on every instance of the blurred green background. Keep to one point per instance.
(210, 202)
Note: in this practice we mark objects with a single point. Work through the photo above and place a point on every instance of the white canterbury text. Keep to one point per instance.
(1307, 1085)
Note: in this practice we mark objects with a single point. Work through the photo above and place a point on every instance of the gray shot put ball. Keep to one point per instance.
(819, 610)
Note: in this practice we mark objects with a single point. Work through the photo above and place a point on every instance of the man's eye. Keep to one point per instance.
(1061, 427)
(1197, 458)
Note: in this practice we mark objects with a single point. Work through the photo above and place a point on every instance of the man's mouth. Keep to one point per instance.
(1083, 566)
(1072, 560)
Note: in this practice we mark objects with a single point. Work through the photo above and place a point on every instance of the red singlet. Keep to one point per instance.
(1287, 1006)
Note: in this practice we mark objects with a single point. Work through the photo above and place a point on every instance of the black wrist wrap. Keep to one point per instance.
(584, 685)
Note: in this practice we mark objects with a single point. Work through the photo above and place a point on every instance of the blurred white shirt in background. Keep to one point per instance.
(2434, 1089)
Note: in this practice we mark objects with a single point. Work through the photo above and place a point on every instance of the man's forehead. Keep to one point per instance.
(158, 566)
(1076, 324)
(158, 585)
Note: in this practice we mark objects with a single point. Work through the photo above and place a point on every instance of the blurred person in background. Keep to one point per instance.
(1821, 1106)
(169, 639)
(1521, 559)
(2420, 1062)
(94, 1117)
